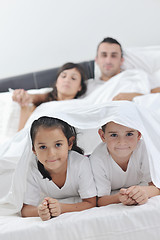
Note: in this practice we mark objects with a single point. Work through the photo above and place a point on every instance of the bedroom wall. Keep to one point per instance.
(41, 34)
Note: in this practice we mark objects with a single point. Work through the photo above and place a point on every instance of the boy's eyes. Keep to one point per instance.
(129, 134)
(116, 135)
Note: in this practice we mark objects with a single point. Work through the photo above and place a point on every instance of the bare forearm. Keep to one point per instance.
(29, 211)
(38, 98)
(78, 206)
(151, 190)
(126, 96)
(25, 113)
(155, 90)
(108, 199)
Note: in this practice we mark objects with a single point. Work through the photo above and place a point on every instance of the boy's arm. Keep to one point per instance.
(151, 190)
(108, 199)
(142, 193)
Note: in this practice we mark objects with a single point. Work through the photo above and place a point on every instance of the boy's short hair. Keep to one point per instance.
(104, 127)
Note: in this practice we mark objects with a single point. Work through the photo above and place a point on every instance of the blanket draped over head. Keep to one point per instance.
(86, 115)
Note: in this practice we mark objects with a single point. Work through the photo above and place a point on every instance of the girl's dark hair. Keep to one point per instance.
(53, 94)
(50, 122)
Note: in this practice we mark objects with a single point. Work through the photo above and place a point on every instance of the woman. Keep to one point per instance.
(70, 84)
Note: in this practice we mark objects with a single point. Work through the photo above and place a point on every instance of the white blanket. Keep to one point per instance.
(127, 81)
(17, 153)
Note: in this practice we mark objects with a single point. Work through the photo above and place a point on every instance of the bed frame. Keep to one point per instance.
(40, 79)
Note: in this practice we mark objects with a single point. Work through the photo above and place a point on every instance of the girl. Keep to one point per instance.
(70, 84)
(61, 172)
(121, 168)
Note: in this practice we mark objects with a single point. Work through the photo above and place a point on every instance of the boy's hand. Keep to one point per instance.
(43, 211)
(137, 193)
(54, 207)
(125, 198)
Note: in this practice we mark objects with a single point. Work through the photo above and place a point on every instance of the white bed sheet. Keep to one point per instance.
(113, 222)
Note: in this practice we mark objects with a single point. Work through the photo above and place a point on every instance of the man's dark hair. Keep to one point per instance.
(111, 41)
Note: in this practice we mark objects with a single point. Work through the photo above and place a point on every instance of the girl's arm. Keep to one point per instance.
(29, 211)
(41, 211)
(56, 208)
(85, 204)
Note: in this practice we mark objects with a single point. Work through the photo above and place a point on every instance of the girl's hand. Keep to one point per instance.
(22, 97)
(43, 211)
(125, 198)
(138, 194)
(54, 207)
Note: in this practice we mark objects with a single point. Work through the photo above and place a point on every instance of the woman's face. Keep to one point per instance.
(68, 84)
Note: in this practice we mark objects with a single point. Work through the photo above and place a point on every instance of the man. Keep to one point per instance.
(109, 59)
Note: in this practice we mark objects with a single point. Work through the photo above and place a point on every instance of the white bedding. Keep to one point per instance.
(111, 222)
(114, 222)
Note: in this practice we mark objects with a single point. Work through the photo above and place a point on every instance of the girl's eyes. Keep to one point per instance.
(113, 135)
(58, 144)
(42, 147)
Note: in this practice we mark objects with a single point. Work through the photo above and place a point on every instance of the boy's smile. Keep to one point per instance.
(121, 141)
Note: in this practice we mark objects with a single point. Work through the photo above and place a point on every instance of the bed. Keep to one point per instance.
(111, 222)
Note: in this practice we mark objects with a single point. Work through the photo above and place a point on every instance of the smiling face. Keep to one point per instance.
(121, 141)
(51, 148)
(68, 84)
(109, 60)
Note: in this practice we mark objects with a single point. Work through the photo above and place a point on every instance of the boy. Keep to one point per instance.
(121, 168)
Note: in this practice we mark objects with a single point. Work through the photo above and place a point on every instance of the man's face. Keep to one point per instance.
(109, 60)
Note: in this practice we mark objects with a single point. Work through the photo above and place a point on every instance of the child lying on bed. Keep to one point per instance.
(121, 168)
(61, 172)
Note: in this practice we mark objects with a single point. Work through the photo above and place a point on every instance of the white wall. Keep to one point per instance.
(41, 34)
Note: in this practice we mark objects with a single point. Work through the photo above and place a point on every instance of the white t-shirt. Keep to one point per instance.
(93, 84)
(109, 176)
(79, 182)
